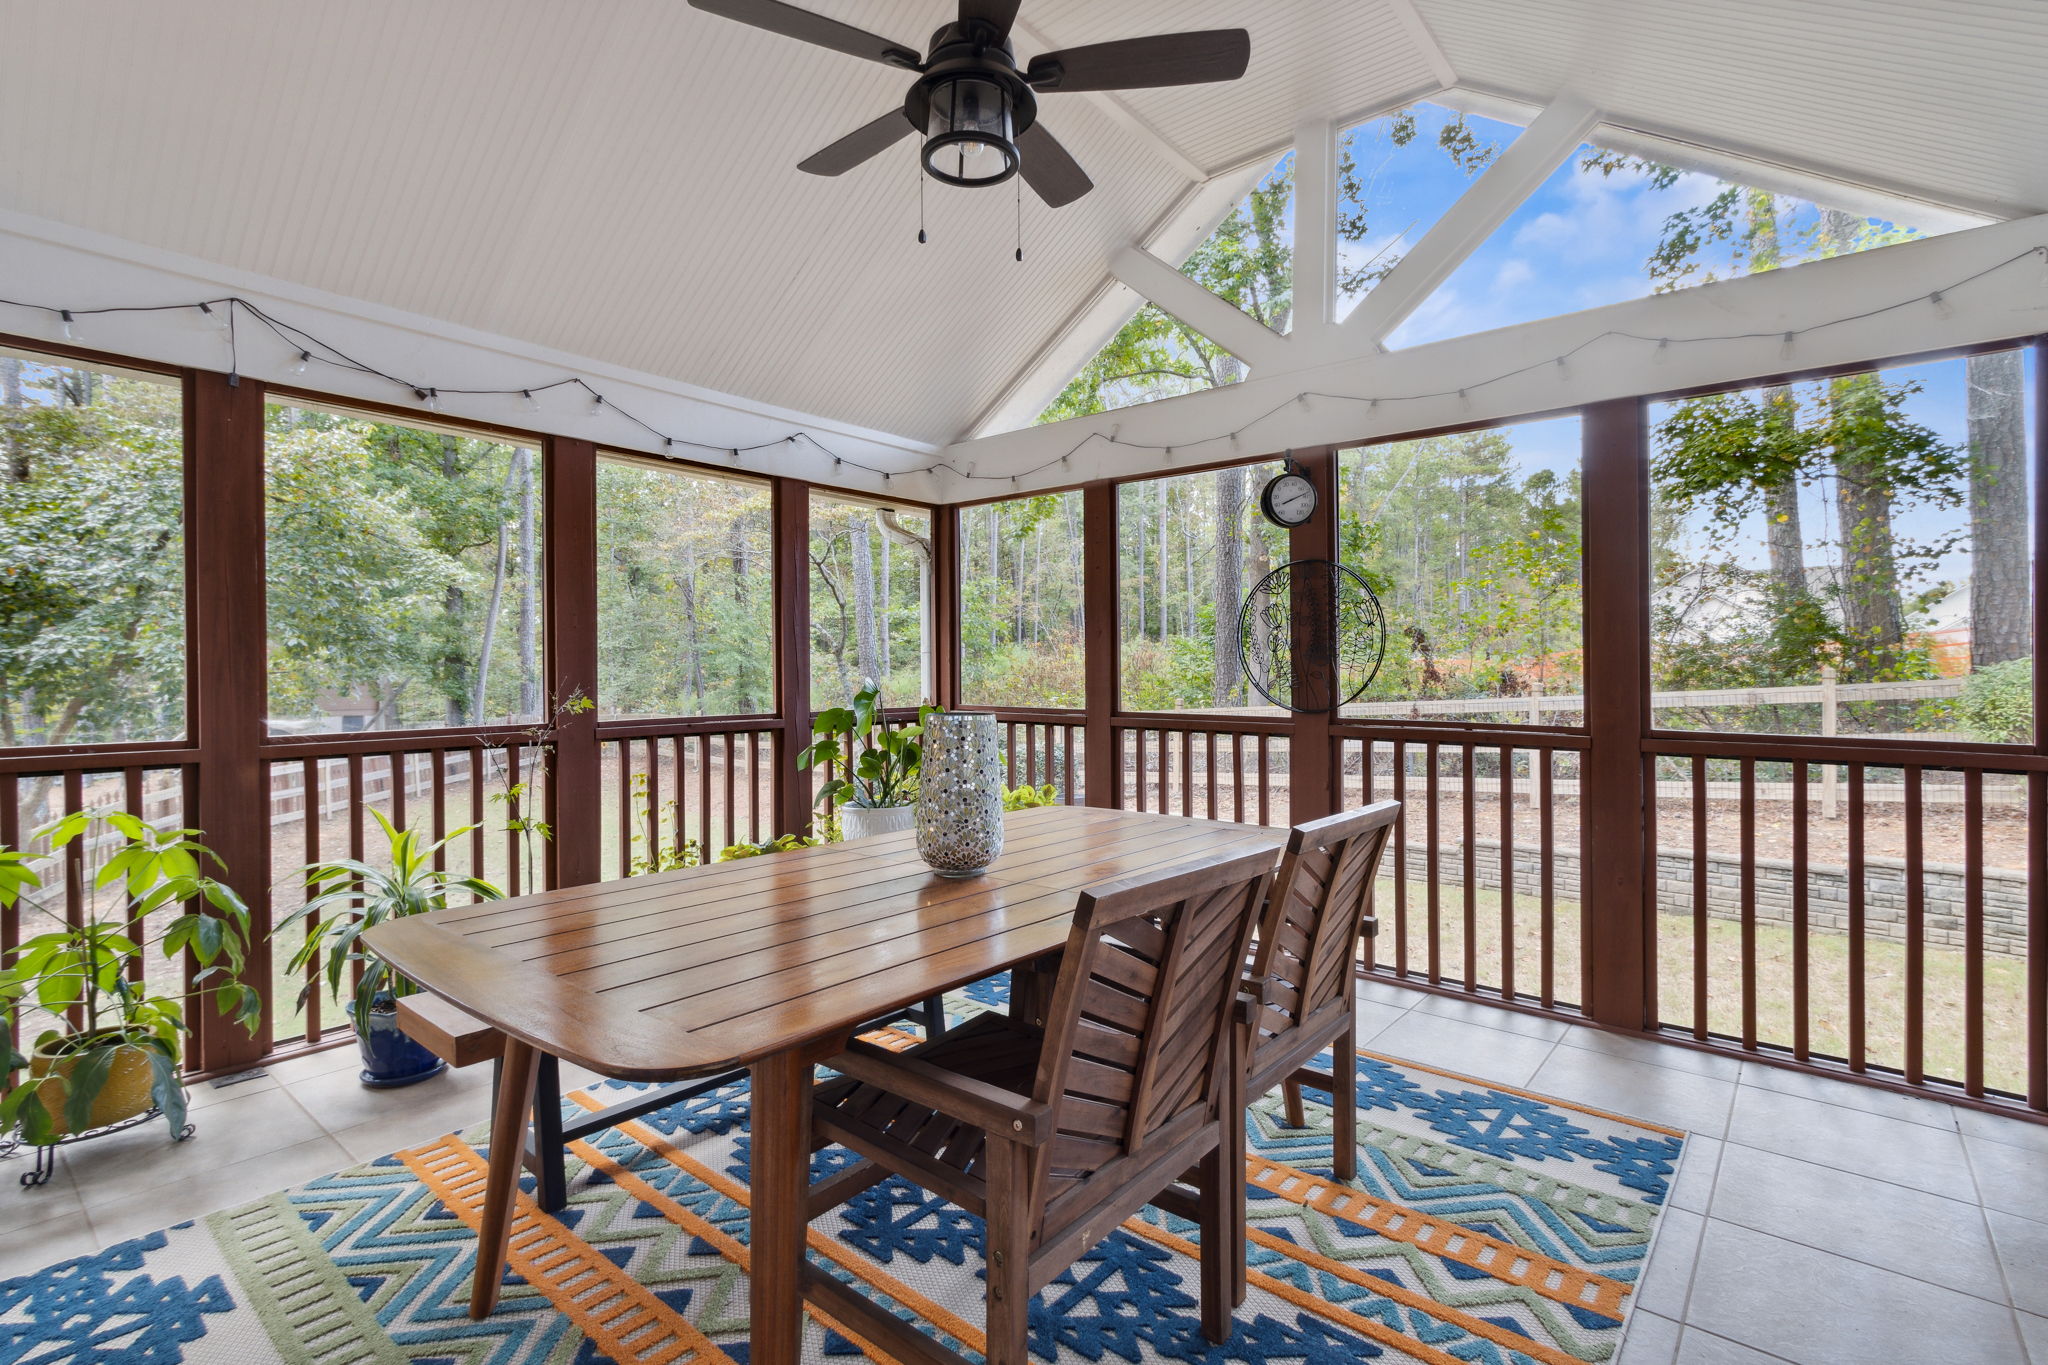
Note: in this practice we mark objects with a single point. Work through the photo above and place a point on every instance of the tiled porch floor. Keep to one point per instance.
(1814, 1221)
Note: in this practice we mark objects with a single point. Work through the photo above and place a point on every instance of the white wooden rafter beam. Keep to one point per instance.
(1315, 233)
(1478, 213)
(1230, 327)
(1425, 41)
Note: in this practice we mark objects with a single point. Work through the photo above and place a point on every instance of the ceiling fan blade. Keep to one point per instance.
(870, 139)
(807, 27)
(999, 14)
(1217, 54)
(1050, 169)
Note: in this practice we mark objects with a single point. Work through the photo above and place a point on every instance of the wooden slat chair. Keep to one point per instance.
(1305, 965)
(1055, 1135)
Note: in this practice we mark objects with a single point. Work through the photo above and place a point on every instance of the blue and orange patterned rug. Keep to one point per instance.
(1487, 1225)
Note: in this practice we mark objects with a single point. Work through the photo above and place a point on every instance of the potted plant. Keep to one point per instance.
(119, 1057)
(872, 765)
(347, 898)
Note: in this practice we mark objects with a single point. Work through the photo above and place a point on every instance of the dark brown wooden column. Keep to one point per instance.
(1311, 752)
(945, 614)
(228, 669)
(574, 795)
(1613, 810)
(792, 513)
(1103, 763)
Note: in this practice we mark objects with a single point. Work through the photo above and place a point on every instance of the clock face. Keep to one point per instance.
(1290, 500)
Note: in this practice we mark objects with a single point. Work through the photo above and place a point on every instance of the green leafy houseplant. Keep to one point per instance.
(348, 897)
(874, 765)
(128, 1031)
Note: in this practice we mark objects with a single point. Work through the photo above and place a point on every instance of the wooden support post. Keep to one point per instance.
(228, 671)
(574, 784)
(792, 515)
(1312, 769)
(1104, 764)
(1613, 800)
(945, 604)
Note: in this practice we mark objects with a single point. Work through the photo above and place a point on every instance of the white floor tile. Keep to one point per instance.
(1467, 1049)
(1897, 1150)
(1677, 1099)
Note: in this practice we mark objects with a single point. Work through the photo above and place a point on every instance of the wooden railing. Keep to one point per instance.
(1901, 940)
(322, 789)
(1204, 767)
(681, 791)
(1471, 896)
(157, 782)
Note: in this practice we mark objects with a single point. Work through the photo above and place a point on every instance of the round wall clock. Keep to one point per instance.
(1289, 498)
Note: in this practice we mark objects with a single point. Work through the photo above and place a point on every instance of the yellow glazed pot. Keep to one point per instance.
(125, 1094)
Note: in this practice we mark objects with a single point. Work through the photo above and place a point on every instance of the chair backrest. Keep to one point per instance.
(1139, 1027)
(1309, 931)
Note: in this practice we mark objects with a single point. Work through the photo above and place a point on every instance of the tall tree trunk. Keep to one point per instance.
(1229, 582)
(1143, 621)
(1165, 565)
(885, 610)
(529, 590)
(1783, 538)
(864, 603)
(455, 668)
(1871, 610)
(1999, 593)
(11, 398)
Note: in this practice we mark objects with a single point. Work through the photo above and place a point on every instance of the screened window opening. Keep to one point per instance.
(1020, 603)
(1472, 542)
(685, 592)
(871, 592)
(92, 554)
(404, 575)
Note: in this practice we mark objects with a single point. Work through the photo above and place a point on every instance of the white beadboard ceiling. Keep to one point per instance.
(616, 178)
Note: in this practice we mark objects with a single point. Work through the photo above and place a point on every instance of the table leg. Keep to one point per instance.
(780, 1181)
(501, 1191)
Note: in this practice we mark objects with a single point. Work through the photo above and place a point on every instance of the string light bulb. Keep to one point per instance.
(596, 404)
(299, 365)
(1942, 307)
(527, 402)
(1785, 346)
(1663, 349)
(70, 324)
(206, 313)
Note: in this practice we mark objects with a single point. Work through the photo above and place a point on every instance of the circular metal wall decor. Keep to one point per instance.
(1312, 635)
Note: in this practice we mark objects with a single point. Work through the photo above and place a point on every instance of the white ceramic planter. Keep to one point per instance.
(861, 822)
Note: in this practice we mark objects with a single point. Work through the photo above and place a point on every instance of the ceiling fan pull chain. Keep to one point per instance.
(1020, 219)
(920, 204)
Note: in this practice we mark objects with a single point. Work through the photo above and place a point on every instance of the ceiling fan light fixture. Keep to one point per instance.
(970, 131)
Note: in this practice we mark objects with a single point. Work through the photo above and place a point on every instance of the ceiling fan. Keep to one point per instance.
(977, 111)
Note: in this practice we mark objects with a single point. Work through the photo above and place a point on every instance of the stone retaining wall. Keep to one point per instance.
(1827, 910)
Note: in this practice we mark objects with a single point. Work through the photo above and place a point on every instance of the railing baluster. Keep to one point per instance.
(753, 789)
(1856, 954)
(1699, 896)
(653, 801)
(2037, 940)
(1165, 771)
(732, 823)
(1507, 873)
(1470, 868)
(10, 916)
(131, 800)
(1435, 904)
(1547, 836)
(401, 774)
(1973, 932)
(1915, 985)
(1209, 771)
(312, 922)
(1401, 859)
(476, 812)
(1749, 903)
(704, 815)
(1010, 754)
(439, 758)
(1265, 781)
(515, 767)
(1802, 963)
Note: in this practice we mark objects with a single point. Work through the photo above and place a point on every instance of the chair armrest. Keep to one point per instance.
(998, 1112)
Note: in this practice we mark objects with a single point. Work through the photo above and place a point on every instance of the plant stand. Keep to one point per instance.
(46, 1153)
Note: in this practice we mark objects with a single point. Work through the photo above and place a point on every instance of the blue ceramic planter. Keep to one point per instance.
(390, 1058)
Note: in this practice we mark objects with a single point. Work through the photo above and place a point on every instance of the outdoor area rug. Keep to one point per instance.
(1487, 1225)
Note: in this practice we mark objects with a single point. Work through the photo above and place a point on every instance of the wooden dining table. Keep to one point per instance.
(768, 964)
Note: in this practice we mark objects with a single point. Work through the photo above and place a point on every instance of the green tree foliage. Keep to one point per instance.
(403, 573)
(870, 581)
(92, 563)
(1476, 561)
(685, 605)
